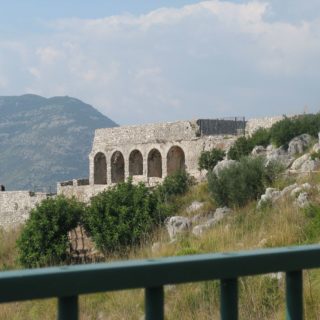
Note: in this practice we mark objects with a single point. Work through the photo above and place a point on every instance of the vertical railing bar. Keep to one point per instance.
(229, 299)
(154, 303)
(68, 308)
(294, 295)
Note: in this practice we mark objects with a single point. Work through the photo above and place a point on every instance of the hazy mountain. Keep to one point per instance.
(43, 141)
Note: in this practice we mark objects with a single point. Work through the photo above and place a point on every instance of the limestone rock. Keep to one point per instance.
(176, 225)
(297, 164)
(279, 155)
(259, 151)
(316, 147)
(310, 165)
(194, 206)
(287, 190)
(302, 200)
(219, 214)
(299, 144)
(270, 195)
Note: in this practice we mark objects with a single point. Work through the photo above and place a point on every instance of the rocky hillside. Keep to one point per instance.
(43, 141)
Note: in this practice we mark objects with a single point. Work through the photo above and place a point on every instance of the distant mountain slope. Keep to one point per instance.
(43, 141)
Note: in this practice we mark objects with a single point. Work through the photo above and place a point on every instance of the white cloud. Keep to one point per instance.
(210, 59)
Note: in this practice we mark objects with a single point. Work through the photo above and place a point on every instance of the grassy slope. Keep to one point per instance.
(260, 297)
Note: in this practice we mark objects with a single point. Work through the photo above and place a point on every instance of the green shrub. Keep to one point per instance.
(175, 184)
(209, 159)
(312, 230)
(121, 216)
(44, 239)
(288, 128)
(243, 181)
(260, 137)
(166, 194)
(242, 147)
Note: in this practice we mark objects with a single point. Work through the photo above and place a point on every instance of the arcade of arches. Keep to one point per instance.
(175, 161)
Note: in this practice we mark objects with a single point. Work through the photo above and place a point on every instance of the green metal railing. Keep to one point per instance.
(67, 283)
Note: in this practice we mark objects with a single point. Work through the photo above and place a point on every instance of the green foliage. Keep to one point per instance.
(288, 128)
(167, 193)
(243, 181)
(242, 147)
(44, 239)
(312, 229)
(209, 159)
(260, 137)
(121, 216)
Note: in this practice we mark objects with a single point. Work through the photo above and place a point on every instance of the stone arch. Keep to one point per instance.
(175, 160)
(100, 169)
(155, 164)
(117, 167)
(135, 163)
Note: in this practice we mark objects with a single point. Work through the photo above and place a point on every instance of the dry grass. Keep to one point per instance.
(261, 297)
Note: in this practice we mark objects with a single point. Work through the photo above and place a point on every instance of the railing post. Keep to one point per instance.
(229, 299)
(294, 295)
(154, 303)
(68, 308)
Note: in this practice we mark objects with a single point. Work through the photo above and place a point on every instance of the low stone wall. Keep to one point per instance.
(15, 206)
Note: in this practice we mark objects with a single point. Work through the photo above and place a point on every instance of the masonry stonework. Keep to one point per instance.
(15, 206)
(147, 153)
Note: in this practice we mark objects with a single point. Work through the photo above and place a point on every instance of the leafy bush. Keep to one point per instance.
(121, 216)
(243, 181)
(242, 147)
(260, 137)
(288, 128)
(44, 239)
(209, 159)
(312, 229)
(166, 194)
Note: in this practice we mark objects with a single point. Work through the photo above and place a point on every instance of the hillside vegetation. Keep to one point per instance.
(43, 141)
(280, 220)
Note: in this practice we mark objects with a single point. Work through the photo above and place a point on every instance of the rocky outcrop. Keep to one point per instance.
(219, 214)
(299, 144)
(294, 191)
(177, 225)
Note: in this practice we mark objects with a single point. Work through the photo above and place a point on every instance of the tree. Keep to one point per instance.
(44, 239)
(209, 159)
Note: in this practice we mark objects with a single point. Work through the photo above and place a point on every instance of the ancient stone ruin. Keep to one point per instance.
(148, 153)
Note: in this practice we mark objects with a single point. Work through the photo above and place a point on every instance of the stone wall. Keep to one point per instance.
(253, 125)
(15, 206)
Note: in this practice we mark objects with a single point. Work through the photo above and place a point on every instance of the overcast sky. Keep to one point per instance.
(150, 61)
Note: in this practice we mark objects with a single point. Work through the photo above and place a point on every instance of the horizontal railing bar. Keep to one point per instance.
(85, 279)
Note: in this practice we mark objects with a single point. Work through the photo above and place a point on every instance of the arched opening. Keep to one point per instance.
(175, 160)
(100, 169)
(117, 167)
(154, 164)
(135, 163)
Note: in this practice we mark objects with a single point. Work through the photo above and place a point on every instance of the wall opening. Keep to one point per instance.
(100, 168)
(117, 167)
(175, 160)
(135, 163)
(154, 164)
